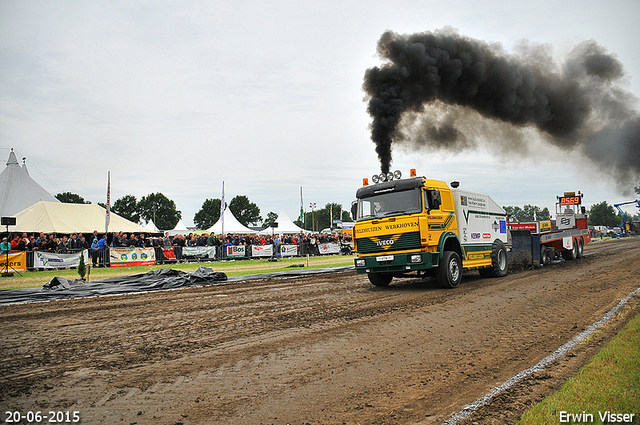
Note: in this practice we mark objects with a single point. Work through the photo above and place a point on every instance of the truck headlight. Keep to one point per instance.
(360, 262)
(415, 258)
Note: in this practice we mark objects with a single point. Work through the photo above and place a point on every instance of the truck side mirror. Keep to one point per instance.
(354, 210)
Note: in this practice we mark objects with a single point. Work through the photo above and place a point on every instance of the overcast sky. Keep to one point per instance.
(177, 96)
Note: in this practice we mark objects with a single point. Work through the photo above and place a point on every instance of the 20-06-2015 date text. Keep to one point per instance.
(39, 417)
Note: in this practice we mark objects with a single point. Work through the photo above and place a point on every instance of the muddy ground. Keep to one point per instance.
(329, 349)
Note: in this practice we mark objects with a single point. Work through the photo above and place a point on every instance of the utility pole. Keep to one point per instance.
(313, 215)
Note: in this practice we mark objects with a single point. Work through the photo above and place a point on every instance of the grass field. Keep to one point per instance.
(36, 279)
(606, 390)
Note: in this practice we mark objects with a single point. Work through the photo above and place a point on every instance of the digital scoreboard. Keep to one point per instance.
(571, 200)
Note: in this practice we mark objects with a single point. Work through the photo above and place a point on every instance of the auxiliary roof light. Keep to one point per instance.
(388, 177)
(365, 181)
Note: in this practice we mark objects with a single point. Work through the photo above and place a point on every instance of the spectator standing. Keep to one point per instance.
(94, 251)
(52, 244)
(5, 246)
(102, 250)
(73, 243)
(63, 245)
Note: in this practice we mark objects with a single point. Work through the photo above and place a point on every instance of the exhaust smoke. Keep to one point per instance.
(444, 91)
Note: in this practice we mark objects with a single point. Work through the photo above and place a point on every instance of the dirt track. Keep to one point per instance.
(327, 349)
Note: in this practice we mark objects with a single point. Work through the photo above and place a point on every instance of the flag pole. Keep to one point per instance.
(107, 217)
(222, 208)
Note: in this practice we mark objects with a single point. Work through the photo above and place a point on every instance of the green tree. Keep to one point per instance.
(271, 218)
(324, 217)
(603, 214)
(71, 198)
(515, 213)
(244, 210)
(127, 207)
(208, 215)
(160, 209)
(82, 268)
(527, 213)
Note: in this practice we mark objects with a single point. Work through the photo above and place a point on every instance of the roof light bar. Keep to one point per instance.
(388, 177)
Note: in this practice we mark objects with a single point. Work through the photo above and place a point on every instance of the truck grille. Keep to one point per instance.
(388, 243)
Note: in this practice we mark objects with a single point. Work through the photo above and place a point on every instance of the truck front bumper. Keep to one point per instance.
(397, 263)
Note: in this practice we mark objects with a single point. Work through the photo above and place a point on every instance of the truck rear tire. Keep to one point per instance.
(449, 273)
(580, 249)
(380, 279)
(571, 254)
(499, 261)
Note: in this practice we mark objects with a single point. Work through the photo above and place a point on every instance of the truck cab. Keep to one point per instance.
(424, 226)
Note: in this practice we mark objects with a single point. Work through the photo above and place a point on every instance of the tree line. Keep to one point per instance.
(600, 214)
(165, 215)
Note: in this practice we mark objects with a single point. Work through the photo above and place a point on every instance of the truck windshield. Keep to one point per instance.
(390, 204)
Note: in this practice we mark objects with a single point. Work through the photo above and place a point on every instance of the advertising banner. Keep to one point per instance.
(127, 257)
(235, 251)
(17, 262)
(52, 260)
(261, 250)
(288, 250)
(199, 251)
(328, 248)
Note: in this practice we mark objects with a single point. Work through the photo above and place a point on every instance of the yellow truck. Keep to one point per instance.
(423, 226)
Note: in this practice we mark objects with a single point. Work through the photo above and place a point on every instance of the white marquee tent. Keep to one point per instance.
(180, 229)
(231, 225)
(285, 226)
(58, 217)
(18, 190)
(151, 226)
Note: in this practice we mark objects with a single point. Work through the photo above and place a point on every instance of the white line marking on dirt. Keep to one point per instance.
(485, 399)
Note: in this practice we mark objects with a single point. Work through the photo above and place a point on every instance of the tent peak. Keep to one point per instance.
(13, 160)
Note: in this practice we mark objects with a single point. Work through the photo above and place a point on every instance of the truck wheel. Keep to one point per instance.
(580, 253)
(449, 273)
(499, 262)
(544, 256)
(571, 254)
(380, 279)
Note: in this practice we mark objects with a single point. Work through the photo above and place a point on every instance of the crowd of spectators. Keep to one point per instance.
(101, 242)
(48, 243)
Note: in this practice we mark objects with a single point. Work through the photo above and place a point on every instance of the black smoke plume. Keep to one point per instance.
(434, 88)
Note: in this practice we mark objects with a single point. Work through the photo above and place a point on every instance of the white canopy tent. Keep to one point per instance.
(18, 190)
(151, 226)
(231, 225)
(180, 229)
(58, 217)
(285, 226)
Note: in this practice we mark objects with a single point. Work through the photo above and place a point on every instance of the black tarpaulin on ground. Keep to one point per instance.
(155, 280)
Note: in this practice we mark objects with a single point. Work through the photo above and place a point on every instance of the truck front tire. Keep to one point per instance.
(380, 279)
(449, 273)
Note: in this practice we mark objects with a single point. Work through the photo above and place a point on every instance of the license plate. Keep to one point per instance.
(384, 258)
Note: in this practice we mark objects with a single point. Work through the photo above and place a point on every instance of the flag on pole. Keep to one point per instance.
(222, 208)
(107, 217)
(301, 207)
